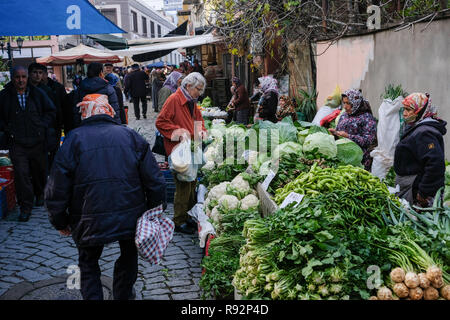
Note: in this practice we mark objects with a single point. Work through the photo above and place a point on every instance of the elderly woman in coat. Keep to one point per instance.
(181, 119)
(419, 159)
(358, 124)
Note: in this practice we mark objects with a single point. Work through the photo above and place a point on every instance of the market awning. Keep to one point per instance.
(79, 53)
(138, 53)
(53, 17)
(109, 41)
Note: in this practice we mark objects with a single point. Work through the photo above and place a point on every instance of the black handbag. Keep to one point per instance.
(158, 147)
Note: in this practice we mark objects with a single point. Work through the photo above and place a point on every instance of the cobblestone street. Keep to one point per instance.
(33, 255)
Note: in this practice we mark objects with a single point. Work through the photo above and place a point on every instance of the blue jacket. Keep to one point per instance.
(95, 85)
(420, 152)
(106, 176)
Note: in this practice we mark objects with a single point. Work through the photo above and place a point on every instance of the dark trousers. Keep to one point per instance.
(125, 271)
(30, 173)
(136, 106)
(184, 200)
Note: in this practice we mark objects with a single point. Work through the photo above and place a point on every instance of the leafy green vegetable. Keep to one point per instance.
(323, 143)
(348, 152)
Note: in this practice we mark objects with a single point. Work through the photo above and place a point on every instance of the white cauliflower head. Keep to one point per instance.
(249, 201)
(229, 202)
(209, 165)
(240, 184)
(219, 190)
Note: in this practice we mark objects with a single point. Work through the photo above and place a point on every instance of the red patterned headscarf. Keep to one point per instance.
(94, 104)
(418, 101)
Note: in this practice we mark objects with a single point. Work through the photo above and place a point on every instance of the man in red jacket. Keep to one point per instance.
(180, 119)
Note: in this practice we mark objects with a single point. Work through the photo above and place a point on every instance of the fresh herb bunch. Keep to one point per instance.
(393, 92)
(225, 172)
(220, 265)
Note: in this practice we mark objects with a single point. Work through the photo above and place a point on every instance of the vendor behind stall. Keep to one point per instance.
(358, 124)
(286, 109)
(419, 160)
(240, 102)
(268, 103)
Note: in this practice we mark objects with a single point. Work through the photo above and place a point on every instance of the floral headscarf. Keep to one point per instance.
(288, 109)
(268, 84)
(418, 101)
(356, 100)
(94, 104)
(171, 81)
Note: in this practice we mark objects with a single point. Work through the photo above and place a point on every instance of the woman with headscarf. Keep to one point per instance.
(268, 103)
(171, 84)
(240, 102)
(419, 159)
(114, 81)
(358, 124)
(286, 109)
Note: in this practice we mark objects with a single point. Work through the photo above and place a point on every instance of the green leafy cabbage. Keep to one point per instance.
(349, 152)
(322, 143)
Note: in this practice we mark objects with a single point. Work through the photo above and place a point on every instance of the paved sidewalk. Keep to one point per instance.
(35, 261)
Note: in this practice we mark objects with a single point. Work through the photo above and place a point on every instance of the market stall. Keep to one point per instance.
(295, 216)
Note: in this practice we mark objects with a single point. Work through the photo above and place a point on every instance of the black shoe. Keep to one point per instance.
(24, 217)
(192, 223)
(39, 201)
(144, 116)
(185, 228)
(138, 118)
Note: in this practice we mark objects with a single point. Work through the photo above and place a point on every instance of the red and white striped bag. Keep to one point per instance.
(153, 234)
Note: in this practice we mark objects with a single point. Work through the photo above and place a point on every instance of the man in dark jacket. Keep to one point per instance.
(95, 83)
(103, 179)
(57, 93)
(26, 113)
(135, 87)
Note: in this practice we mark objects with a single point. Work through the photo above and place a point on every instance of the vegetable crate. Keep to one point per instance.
(170, 185)
(268, 206)
(7, 172)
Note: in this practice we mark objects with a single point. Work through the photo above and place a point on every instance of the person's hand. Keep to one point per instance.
(332, 131)
(423, 202)
(65, 232)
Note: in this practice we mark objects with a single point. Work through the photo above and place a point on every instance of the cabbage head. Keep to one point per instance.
(349, 152)
(288, 148)
(321, 143)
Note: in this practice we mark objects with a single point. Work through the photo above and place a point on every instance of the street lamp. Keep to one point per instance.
(10, 49)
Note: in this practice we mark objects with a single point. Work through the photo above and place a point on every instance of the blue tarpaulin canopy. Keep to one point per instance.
(52, 17)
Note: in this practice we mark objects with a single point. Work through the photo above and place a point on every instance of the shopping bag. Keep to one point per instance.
(153, 234)
(158, 147)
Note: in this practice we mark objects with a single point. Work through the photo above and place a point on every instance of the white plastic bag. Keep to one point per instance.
(322, 113)
(204, 226)
(387, 135)
(196, 161)
(180, 158)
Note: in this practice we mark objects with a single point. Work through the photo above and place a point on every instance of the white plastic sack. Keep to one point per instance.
(322, 113)
(180, 158)
(388, 129)
(197, 160)
(204, 226)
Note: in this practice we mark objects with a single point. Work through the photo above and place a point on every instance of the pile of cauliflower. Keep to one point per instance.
(227, 196)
